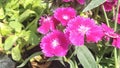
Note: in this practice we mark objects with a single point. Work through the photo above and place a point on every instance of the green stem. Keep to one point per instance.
(105, 16)
(119, 57)
(115, 58)
(116, 17)
(115, 28)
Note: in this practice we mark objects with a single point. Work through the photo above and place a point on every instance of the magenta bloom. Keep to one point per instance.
(109, 4)
(119, 18)
(48, 23)
(109, 32)
(54, 44)
(80, 27)
(82, 2)
(116, 42)
(67, 0)
(64, 14)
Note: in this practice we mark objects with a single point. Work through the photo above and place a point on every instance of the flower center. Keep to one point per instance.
(82, 29)
(65, 17)
(55, 43)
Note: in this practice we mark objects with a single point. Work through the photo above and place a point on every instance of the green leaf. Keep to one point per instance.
(5, 29)
(16, 25)
(25, 15)
(9, 42)
(27, 2)
(93, 4)
(31, 38)
(12, 4)
(85, 57)
(33, 55)
(33, 25)
(16, 55)
(71, 64)
(1, 13)
(38, 3)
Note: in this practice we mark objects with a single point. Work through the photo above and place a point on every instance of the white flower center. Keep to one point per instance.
(65, 17)
(83, 29)
(55, 43)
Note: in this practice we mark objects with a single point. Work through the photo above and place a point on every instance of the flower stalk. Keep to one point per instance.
(105, 16)
(115, 28)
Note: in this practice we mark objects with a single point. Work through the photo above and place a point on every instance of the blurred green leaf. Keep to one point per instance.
(93, 4)
(39, 3)
(10, 41)
(11, 4)
(1, 13)
(33, 25)
(25, 3)
(31, 38)
(5, 29)
(26, 60)
(16, 55)
(25, 15)
(85, 57)
(16, 25)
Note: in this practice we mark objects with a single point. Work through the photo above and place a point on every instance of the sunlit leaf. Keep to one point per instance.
(16, 25)
(1, 13)
(10, 41)
(93, 4)
(16, 55)
(5, 29)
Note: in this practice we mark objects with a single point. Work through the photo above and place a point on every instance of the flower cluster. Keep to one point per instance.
(65, 28)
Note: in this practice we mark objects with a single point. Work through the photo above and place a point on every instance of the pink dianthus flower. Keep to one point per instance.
(64, 14)
(118, 21)
(116, 42)
(109, 4)
(109, 32)
(46, 24)
(54, 44)
(80, 28)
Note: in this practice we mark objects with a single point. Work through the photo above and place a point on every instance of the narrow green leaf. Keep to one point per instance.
(33, 55)
(76, 66)
(85, 57)
(71, 64)
(16, 55)
(9, 42)
(93, 4)
(25, 15)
